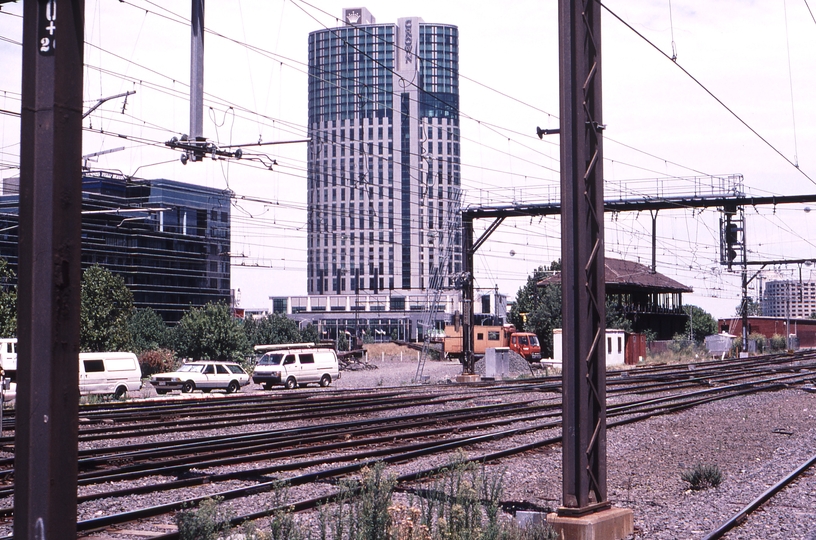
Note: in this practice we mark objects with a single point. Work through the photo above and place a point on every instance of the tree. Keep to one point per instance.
(700, 323)
(8, 301)
(538, 309)
(105, 308)
(273, 329)
(616, 317)
(211, 333)
(754, 308)
(148, 331)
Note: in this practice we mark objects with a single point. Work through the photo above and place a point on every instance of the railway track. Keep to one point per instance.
(408, 425)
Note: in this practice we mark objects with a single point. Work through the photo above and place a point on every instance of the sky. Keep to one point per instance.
(665, 134)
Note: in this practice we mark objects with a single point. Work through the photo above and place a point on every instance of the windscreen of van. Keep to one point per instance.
(270, 359)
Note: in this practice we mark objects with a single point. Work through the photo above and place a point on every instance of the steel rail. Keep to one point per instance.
(309, 504)
(742, 515)
(552, 424)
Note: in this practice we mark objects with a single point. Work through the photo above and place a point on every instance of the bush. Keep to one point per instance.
(702, 476)
(680, 344)
(778, 342)
(207, 522)
(158, 361)
(761, 341)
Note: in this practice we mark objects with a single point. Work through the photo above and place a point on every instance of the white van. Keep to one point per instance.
(115, 373)
(295, 364)
(8, 357)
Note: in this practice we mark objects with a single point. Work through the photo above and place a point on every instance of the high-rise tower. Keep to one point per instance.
(383, 168)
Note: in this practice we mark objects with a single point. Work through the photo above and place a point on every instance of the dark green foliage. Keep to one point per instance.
(700, 323)
(276, 328)
(8, 301)
(148, 331)
(702, 476)
(210, 333)
(754, 308)
(615, 316)
(105, 310)
(538, 309)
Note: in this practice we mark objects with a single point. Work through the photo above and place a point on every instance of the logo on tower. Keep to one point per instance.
(408, 43)
(353, 16)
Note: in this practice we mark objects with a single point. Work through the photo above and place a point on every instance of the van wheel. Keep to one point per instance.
(187, 387)
(233, 387)
(325, 380)
(290, 383)
(120, 392)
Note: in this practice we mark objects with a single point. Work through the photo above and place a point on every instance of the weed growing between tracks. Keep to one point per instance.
(207, 522)
(463, 503)
(702, 476)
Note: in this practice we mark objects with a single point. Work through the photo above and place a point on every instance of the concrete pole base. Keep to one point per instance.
(611, 524)
(465, 378)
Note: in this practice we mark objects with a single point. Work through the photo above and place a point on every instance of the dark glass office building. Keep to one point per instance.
(168, 240)
(384, 161)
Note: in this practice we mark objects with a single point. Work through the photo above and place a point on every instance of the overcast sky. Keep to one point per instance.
(757, 57)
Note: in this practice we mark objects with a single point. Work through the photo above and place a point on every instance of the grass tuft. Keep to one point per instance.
(702, 476)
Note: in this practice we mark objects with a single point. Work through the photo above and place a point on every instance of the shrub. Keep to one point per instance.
(680, 344)
(207, 522)
(158, 361)
(702, 476)
(778, 342)
(761, 341)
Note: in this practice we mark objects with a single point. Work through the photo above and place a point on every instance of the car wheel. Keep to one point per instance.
(120, 392)
(325, 380)
(233, 387)
(187, 387)
(162, 392)
(290, 383)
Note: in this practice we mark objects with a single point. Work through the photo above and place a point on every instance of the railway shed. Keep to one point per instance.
(649, 299)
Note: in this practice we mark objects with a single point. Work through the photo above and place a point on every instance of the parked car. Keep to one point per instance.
(295, 364)
(205, 375)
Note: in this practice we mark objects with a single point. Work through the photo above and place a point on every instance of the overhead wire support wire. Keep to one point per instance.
(810, 11)
(710, 93)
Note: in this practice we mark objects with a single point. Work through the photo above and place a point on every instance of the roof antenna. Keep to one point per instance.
(671, 23)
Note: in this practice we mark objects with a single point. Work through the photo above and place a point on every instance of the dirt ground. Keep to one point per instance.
(389, 364)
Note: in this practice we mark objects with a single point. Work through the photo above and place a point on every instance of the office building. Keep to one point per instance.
(789, 298)
(168, 240)
(384, 160)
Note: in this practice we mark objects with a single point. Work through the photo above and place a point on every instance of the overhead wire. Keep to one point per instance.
(710, 93)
